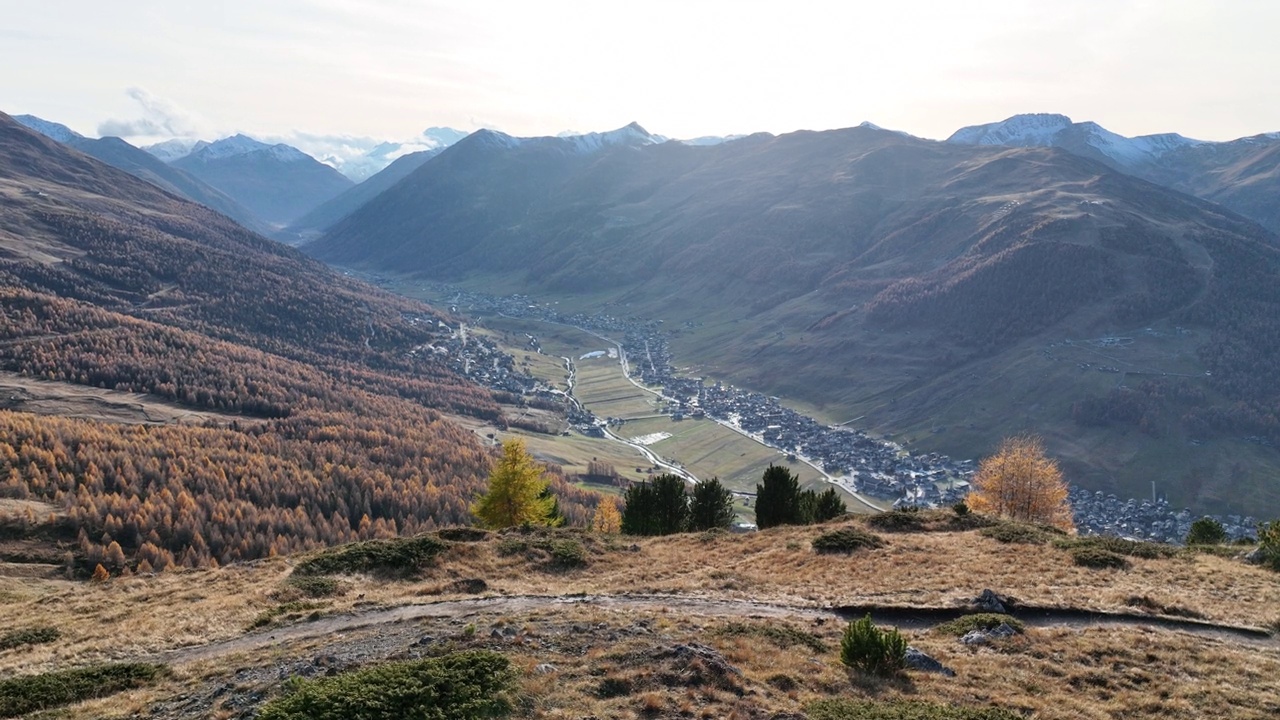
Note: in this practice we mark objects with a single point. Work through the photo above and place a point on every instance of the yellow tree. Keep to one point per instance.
(516, 491)
(606, 518)
(1022, 483)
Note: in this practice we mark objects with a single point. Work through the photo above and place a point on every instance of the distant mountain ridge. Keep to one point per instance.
(1242, 174)
(137, 162)
(278, 183)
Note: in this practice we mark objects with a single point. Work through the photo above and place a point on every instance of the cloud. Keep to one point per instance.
(160, 118)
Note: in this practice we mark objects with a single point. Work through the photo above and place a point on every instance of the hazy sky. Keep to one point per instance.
(389, 69)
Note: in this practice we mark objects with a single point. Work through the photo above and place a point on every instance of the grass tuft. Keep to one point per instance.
(781, 636)
(846, 540)
(978, 621)
(1097, 558)
(315, 586)
(1021, 533)
(1120, 546)
(31, 693)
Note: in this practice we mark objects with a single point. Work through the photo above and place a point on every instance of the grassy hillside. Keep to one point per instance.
(756, 615)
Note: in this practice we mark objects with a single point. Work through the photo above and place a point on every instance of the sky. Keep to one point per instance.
(335, 72)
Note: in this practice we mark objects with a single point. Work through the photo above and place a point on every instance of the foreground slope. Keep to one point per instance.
(317, 420)
(926, 289)
(697, 625)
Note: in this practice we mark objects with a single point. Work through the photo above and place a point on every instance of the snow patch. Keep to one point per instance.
(175, 149)
(52, 130)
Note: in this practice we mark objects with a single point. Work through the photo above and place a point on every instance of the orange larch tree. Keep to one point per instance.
(1022, 483)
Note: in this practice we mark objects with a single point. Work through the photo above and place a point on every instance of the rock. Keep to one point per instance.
(989, 601)
(510, 631)
(545, 668)
(917, 660)
(1254, 556)
(496, 634)
(1003, 630)
(975, 637)
(425, 640)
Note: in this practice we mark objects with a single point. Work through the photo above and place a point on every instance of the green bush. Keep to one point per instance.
(845, 540)
(1095, 557)
(1206, 531)
(315, 586)
(29, 636)
(901, 710)
(30, 693)
(1120, 546)
(568, 554)
(461, 686)
(897, 521)
(1021, 533)
(782, 636)
(398, 557)
(873, 651)
(978, 621)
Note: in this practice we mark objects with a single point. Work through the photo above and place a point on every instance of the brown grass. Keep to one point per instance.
(1053, 672)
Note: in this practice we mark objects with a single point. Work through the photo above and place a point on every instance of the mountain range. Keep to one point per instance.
(946, 293)
(1242, 174)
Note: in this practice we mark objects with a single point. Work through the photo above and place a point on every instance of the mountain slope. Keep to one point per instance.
(320, 419)
(1243, 175)
(139, 163)
(276, 182)
(331, 211)
(925, 288)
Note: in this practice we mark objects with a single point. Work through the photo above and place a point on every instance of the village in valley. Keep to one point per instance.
(852, 459)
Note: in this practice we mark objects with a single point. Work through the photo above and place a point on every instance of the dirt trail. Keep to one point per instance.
(44, 397)
(915, 618)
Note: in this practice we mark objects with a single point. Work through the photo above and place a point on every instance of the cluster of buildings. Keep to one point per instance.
(1097, 513)
(853, 459)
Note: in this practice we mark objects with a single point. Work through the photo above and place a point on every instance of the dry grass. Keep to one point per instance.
(1090, 672)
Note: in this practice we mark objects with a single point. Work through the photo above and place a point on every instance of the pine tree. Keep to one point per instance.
(515, 495)
(829, 506)
(1022, 483)
(711, 506)
(657, 507)
(778, 499)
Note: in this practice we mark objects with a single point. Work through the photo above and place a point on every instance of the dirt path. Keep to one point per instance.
(905, 617)
(44, 397)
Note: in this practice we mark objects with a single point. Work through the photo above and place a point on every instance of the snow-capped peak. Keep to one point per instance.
(52, 130)
(1029, 130)
(1045, 130)
(632, 135)
(175, 149)
(240, 144)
